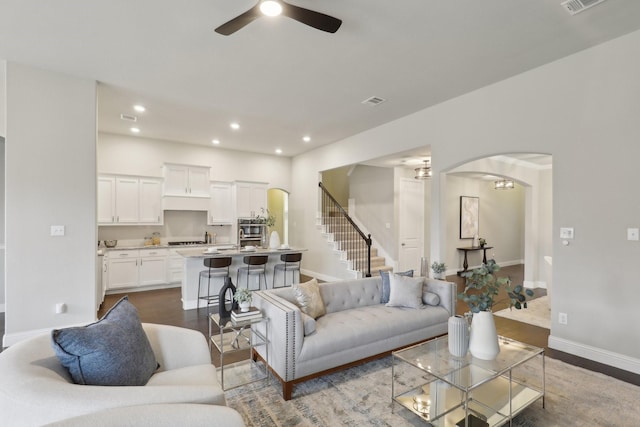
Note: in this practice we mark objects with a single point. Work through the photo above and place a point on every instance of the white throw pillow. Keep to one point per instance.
(309, 298)
(405, 291)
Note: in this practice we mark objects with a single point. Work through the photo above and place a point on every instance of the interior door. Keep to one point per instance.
(411, 224)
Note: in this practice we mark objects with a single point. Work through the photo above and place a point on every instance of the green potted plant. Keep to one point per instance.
(438, 269)
(481, 288)
(243, 297)
(482, 242)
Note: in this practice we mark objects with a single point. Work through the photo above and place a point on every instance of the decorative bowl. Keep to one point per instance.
(110, 243)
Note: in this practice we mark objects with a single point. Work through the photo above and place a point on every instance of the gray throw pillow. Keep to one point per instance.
(405, 291)
(113, 351)
(430, 298)
(385, 283)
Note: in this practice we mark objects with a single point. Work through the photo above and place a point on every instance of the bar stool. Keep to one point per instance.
(291, 263)
(256, 266)
(216, 267)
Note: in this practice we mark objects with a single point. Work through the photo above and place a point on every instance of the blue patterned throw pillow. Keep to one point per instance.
(113, 351)
(386, 287)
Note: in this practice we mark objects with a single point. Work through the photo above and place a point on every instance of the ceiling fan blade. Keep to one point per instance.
(314, 19)
(240, 21)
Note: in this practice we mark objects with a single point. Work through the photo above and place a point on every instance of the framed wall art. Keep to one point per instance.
(469, 217)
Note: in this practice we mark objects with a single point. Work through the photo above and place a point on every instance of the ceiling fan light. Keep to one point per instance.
(270, 8)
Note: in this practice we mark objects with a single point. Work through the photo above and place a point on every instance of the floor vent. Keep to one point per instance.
(128, 117)
(374, 100)
(577, 6)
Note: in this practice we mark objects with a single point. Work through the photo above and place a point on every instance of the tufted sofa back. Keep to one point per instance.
(346, 294)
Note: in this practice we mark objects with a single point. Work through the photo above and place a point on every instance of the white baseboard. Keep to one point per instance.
(596, 354)
(533, 284)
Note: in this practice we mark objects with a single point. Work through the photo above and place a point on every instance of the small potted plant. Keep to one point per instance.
(438, 269)
(243, 298)
(482, 242)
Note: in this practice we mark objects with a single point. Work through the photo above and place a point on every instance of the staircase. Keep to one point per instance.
(346, 238)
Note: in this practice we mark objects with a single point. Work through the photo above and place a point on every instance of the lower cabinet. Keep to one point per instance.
(175, 267)
(135, 268)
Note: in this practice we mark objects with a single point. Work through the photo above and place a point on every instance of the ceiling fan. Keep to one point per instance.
(314, 19)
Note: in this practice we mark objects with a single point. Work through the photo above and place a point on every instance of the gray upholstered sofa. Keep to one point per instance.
(356, 327)
(35, 389)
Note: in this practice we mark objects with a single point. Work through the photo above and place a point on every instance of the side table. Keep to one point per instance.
(465, 264)
(235, 336)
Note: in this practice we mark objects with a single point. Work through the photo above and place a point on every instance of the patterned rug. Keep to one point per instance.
(538, 313)
(362, 396)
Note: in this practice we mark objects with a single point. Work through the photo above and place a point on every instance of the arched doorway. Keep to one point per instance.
(278, 205)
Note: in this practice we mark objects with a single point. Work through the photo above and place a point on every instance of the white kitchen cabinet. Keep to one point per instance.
(123, 269)
(129, 200)
(153, 267)
(136, 268)
(175, 266)
(186, 181)
(106, 199)
(251, 198)
(221, 204)
(150, 201)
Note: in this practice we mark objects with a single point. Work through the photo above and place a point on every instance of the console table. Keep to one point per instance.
(465, 264)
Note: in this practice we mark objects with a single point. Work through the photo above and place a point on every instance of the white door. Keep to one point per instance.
(153, 270)
(176, 180)
(220, 209)
(411, 224)
(123, 269)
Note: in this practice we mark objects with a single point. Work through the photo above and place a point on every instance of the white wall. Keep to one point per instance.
(501, 222)
(50, 180)
(582, 110)
(132, 155)
(3, 118)
(372, 190)
(2, 237)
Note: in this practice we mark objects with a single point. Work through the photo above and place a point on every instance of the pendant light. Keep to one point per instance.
(504, 184)
(423, 172)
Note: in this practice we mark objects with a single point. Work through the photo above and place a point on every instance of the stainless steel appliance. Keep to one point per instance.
(250, 232)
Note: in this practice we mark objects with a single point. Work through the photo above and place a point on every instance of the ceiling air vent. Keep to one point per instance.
(374, 100)
(128, 117)
(577, 6)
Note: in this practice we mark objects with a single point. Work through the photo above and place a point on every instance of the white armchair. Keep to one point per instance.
(35, 389)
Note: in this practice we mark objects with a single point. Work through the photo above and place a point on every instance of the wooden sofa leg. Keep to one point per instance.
(287, 389)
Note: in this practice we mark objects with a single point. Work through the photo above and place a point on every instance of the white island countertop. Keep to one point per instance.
(233, 252)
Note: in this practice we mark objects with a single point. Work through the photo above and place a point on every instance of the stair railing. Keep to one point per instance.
(356, 245)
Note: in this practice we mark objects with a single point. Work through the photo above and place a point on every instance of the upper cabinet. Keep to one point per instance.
(220, 205)
(251, 198)
(186, 181)
(126, 200)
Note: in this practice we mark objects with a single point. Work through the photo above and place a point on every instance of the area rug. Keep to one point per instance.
(361, 396)
(538, 313)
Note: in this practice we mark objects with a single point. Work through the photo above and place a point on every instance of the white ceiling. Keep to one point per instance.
(280, 79)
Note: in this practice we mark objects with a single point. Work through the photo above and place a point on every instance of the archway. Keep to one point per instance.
(532, 175)
(278, 205)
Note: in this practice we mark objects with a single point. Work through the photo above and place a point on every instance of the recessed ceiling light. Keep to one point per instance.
(139, 108)
(306, 138)
(135, 130)
(215, 141)
(235, 126)
(278, 151)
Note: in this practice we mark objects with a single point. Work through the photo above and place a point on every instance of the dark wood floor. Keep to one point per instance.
(164, 306)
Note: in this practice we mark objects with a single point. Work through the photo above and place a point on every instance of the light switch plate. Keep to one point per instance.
(57, 230)
(633, 234)
(566, 233)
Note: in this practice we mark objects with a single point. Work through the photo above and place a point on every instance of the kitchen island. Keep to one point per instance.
(194, 264)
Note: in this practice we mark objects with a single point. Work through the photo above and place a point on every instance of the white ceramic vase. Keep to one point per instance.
(458, 330)
(483, 342)
(274, 240)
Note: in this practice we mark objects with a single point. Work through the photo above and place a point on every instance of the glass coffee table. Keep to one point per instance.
(446, 390)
